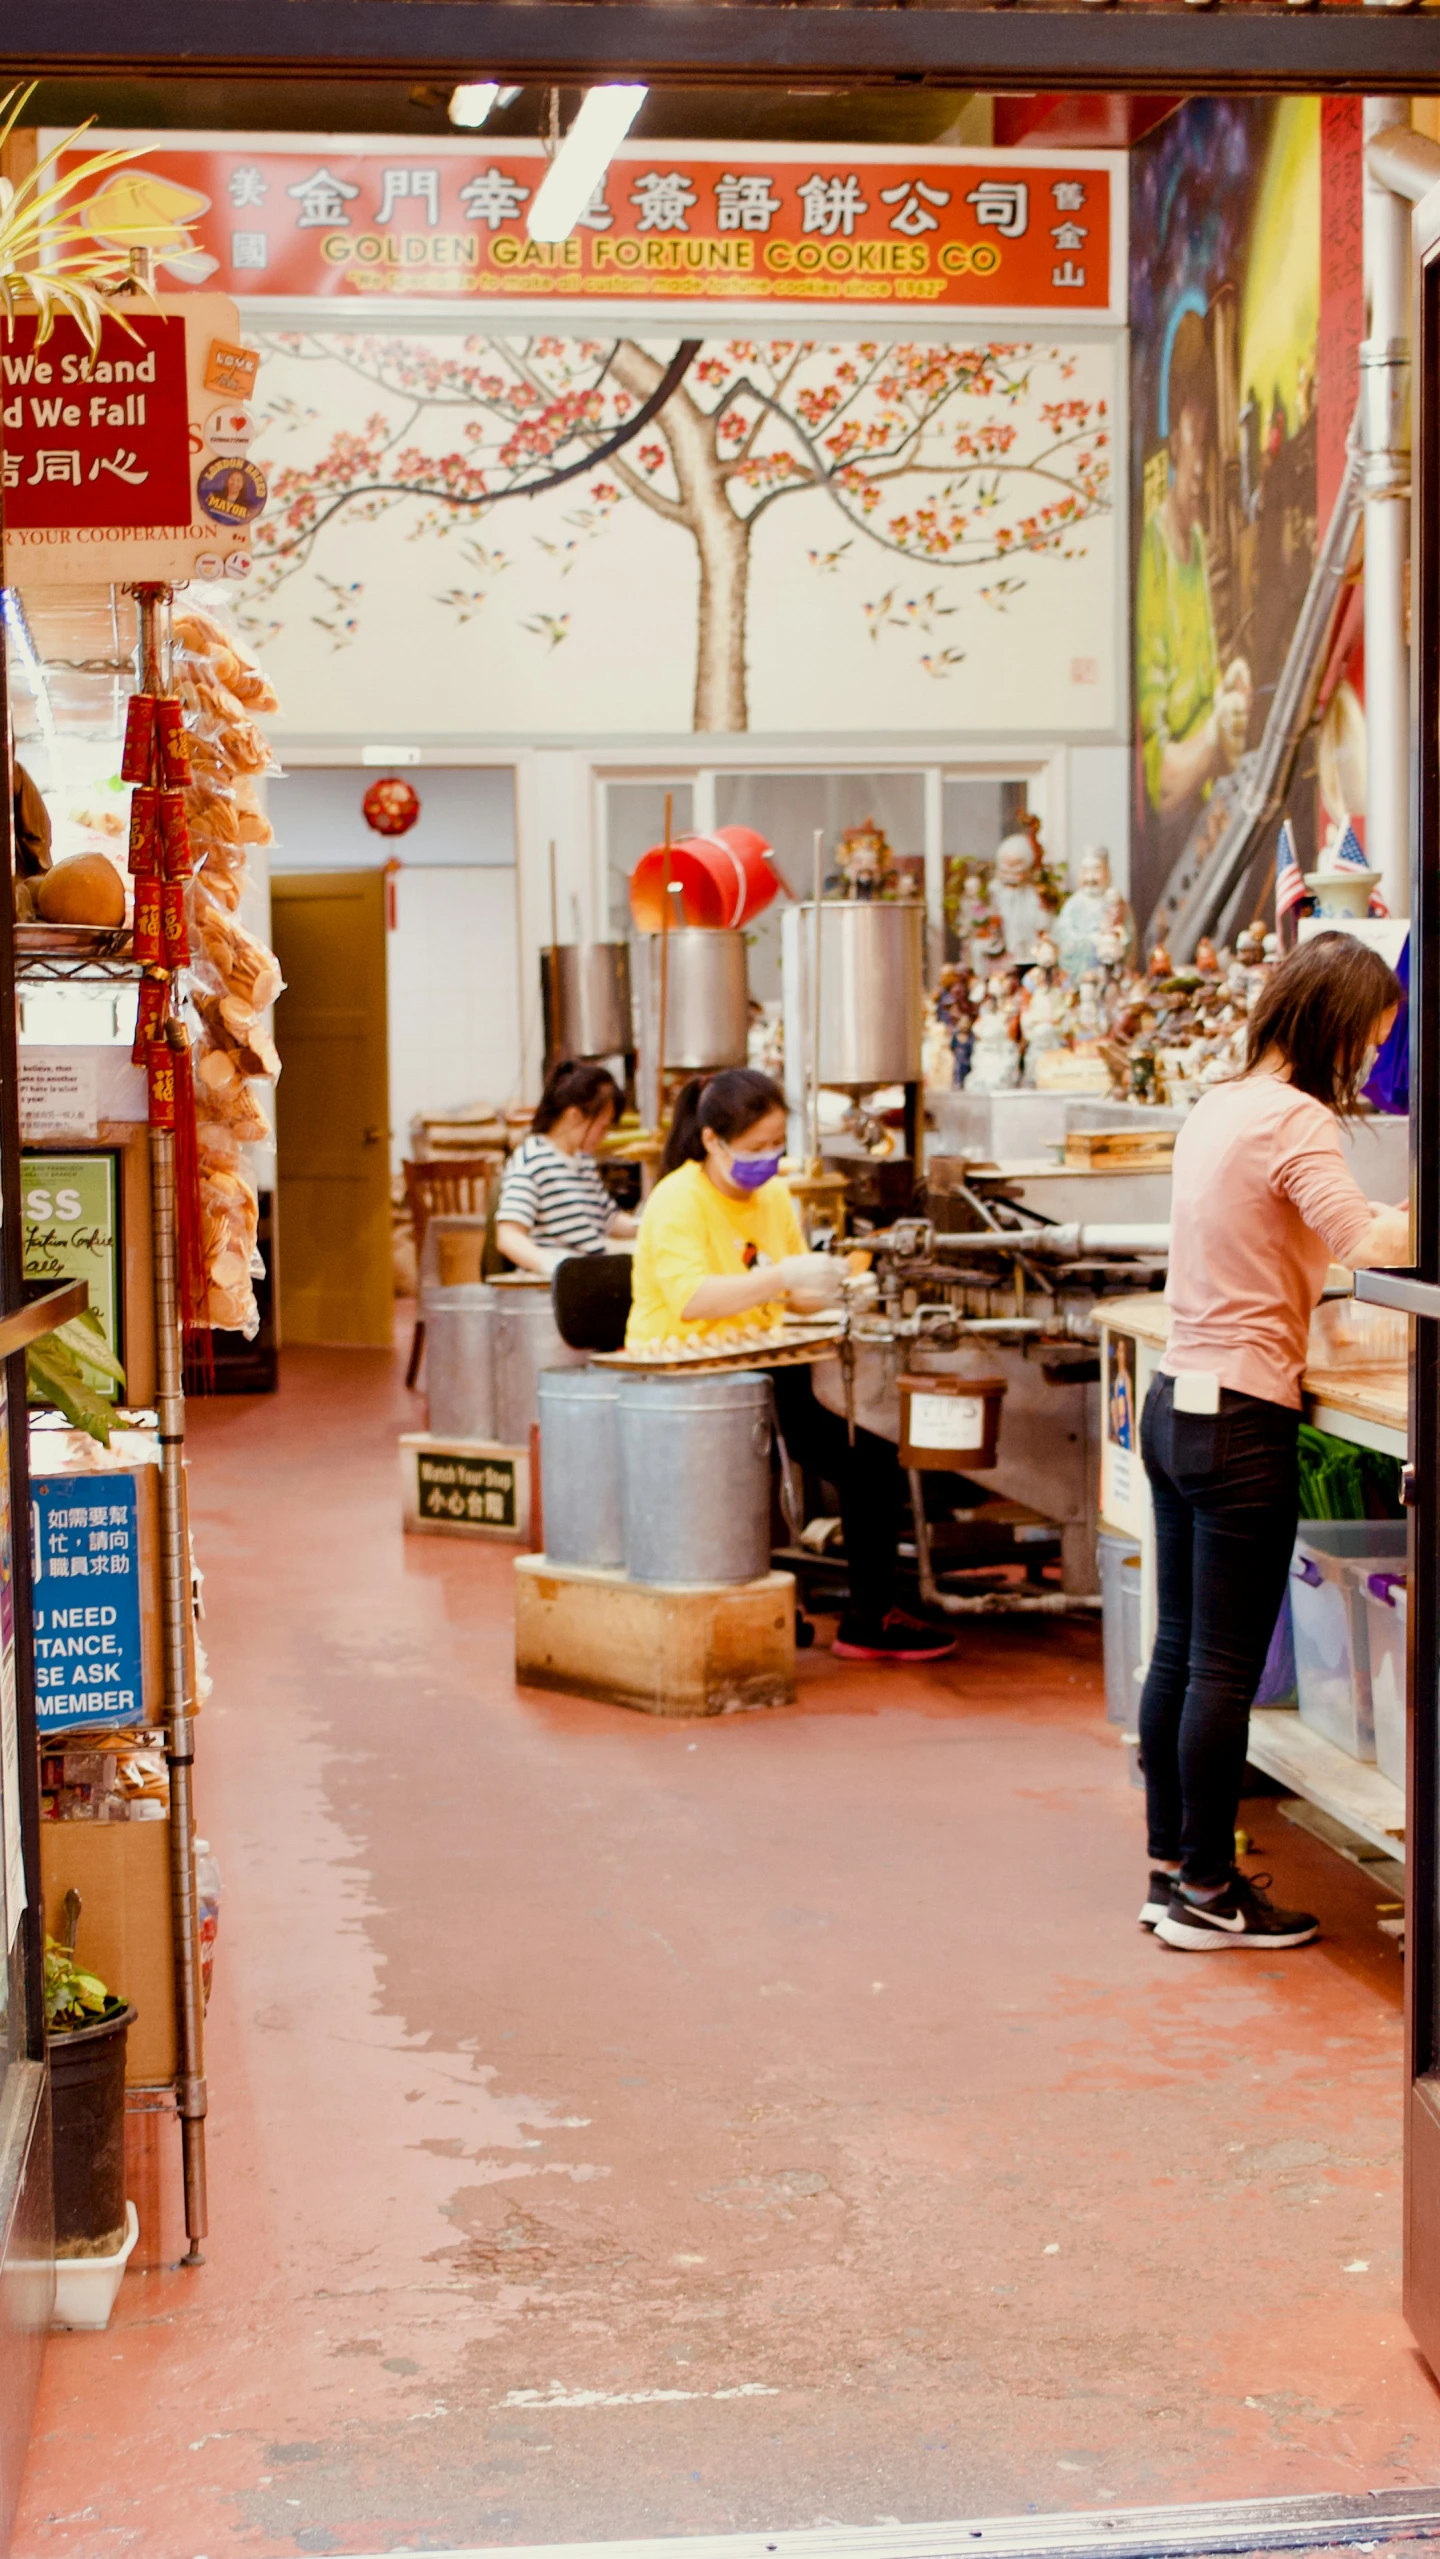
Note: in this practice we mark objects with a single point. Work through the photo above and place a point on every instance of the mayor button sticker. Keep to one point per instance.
(232, 492)
(230, 432)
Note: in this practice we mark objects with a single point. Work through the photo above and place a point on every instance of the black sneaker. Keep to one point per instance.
(896, 1638)
(1157, 1901)
(1240, 1916)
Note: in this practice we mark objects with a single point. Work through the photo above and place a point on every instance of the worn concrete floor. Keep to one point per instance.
(624, 2127)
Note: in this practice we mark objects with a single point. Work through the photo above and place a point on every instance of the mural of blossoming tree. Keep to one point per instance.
(960, 457)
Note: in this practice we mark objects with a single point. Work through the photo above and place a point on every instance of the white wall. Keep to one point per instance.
(1099, 806)
(454, 993)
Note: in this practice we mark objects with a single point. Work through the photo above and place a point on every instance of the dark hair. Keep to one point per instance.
(1318, 1010)
(1190, 383)
(575, 1085)
(731, 1102)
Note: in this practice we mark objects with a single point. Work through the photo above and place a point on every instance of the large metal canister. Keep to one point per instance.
(872, 993)
(580, 1466)
(460, 1361)
(707, 998)
(527, 1339)
(585, 990)
(695, 1476)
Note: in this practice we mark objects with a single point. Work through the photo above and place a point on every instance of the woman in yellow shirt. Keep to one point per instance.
(719, 1242)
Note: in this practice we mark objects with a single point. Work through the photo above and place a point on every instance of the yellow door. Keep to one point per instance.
(332, 1106)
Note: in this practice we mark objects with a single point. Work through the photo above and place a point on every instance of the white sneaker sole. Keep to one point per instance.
(1152, 1912)
(1219, 1941)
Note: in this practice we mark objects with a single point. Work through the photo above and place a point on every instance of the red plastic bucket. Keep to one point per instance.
(725, 878)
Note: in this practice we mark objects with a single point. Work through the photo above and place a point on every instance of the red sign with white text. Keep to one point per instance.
(938, 230)
(98, 438)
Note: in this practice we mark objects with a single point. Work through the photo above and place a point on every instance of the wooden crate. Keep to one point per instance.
(700, 1649)
(1140, 1150)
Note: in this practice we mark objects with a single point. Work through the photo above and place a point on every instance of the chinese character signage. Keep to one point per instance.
(466, 1492)
(87, 1601)
(125, 462)
(69, 1230)
(1000, 231)
(95, 439)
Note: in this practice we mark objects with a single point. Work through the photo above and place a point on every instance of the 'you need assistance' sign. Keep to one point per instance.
(86, 1564)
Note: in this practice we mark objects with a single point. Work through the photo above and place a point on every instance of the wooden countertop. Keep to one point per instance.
(1377, 1392)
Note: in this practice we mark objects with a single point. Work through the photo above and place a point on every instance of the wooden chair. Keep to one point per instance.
(449, 1186)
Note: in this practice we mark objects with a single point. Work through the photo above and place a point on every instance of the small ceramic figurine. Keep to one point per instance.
(1094, 907)
(1038, 1026)
(865, 861)
(1015, 895)
(1205, 959)
(1160, 965)
(995, 1056)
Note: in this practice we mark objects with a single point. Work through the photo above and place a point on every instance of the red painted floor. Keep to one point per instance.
(629, 2127)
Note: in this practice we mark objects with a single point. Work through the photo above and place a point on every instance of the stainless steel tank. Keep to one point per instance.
(580, 1466)
(585, 990)
(695, 1476)
(527, 1339)
(460, 1361)
(707, 998)
(872, 993)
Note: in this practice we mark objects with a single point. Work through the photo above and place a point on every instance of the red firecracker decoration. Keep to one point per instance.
(391, 807)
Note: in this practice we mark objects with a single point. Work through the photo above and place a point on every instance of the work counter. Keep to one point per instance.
(1368, 1404)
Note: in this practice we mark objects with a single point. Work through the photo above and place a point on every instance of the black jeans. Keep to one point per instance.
(866, 1480)
(1225, 1489)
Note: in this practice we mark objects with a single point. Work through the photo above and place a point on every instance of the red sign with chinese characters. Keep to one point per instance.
(95, 439)
(987, 231)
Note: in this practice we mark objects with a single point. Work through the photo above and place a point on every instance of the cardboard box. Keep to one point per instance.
(464, 1488)
(121, 1870)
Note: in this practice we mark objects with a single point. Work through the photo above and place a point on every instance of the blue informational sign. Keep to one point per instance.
(88, 1666)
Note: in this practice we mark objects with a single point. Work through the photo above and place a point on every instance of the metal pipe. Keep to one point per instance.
(1394, 169)
(819, 892)
(1396, 156)
(191, 2097)
(1071, 1242)
(997, 1603)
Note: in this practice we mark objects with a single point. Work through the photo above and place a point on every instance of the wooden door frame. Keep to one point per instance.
(1230, 45)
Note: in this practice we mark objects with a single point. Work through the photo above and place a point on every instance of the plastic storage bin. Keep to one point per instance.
(1332, 1563)
(1386, 1599)
(1119, 1562)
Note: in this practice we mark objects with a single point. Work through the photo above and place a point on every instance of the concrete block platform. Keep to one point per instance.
(695, 1648)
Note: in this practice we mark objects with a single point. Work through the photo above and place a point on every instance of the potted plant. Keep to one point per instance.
(86, 2027)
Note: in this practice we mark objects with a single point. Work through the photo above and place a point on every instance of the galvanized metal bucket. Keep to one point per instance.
(527, 1339)
(460, 1361)
(695, 1476)
(580, 1466)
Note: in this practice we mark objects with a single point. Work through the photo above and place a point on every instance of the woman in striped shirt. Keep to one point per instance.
(552, 1200)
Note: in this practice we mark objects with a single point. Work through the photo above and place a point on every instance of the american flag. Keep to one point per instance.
(1289, 878)
(1349, 853)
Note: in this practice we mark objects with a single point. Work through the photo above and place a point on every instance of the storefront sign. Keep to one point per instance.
(104, 454)
(992, 231)
(87, 1601)
(70, 1230)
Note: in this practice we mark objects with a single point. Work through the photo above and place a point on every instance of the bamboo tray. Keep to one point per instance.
(792, 1347)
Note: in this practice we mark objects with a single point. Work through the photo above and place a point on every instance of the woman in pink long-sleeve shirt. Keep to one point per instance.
(1263, 1202)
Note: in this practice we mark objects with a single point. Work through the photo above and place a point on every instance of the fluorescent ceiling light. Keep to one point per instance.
(471, 103)
(605, 118)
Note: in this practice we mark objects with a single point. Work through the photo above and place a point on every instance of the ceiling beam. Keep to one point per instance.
(1235, 45)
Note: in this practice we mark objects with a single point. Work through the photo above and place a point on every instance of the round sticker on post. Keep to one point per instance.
(209, 564)
(230, 431)
(238, 565)
(232, 492)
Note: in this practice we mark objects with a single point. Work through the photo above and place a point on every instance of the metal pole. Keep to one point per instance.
(1385, 429)
(818, 888)
(177, 1648)
(664, 969)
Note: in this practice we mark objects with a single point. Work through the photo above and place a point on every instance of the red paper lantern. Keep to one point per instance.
(391, 806)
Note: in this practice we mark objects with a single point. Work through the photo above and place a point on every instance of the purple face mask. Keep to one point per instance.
(752, 1172)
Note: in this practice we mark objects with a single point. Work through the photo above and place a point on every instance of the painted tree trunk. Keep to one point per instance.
(721, 538)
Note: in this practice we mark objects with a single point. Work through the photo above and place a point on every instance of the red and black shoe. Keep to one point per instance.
(892, 1638)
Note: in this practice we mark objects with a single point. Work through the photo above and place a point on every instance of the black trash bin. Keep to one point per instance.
(87, 2113)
